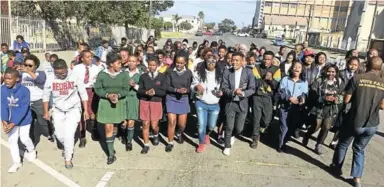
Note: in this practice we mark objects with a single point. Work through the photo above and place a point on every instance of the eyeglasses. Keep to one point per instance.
(28, 65)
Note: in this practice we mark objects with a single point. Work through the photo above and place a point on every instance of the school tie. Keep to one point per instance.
(86, 77)
(153, 75)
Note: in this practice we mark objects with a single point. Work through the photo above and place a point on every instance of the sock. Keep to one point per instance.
(110, 147)
(170, 143)
(130, 132)
(146, 145)
(180, 131)
(155, 135)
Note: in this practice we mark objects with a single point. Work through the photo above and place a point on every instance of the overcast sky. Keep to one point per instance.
(216, 11)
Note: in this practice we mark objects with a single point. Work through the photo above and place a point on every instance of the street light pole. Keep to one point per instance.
(10, 23)
(150, 17)
(373, 24)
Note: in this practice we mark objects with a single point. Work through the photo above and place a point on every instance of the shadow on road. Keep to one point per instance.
(380, 134)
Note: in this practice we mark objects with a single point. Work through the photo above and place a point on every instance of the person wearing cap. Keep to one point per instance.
(103, 50)
(68, 94)
(309, 69)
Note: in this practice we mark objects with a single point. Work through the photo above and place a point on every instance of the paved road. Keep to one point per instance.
(246, 167)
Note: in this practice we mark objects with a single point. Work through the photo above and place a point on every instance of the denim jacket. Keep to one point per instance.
(289, 88)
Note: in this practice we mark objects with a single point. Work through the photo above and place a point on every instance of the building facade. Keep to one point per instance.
(258, 17)
(292, 17)
(193, 20)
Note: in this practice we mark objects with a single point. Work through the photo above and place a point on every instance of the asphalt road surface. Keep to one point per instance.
(245, 167)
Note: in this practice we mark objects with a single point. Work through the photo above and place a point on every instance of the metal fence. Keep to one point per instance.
(42, 36)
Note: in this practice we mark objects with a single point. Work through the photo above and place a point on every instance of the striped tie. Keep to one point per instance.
(86, 78)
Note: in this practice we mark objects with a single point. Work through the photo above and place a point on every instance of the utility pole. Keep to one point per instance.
(150, 17)
(309, 19)
(10, 23)
(373, 24)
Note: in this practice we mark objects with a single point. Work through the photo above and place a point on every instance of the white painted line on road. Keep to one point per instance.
(49, 170)
(103, 181)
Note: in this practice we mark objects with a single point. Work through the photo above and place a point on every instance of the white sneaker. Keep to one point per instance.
(227, 151)
(14, 168)
(232, 140)
(30, 156)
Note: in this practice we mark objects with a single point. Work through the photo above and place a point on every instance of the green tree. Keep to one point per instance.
(226, 25)
(201, 17)
(168, 25)
(176, 18)
(234, 28)
(185, 25)
(86, 12)
(210, 25)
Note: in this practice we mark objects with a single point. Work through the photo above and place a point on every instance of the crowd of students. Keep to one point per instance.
(114, 89)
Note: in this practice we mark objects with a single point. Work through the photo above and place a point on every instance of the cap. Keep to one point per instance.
(308, 53)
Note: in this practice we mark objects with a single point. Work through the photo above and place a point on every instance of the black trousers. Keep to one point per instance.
(235, 119)
(39, 125)
(262, 110)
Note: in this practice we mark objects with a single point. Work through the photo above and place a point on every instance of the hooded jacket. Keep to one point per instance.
(15, 105)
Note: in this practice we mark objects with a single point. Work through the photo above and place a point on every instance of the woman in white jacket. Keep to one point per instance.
(206, 84)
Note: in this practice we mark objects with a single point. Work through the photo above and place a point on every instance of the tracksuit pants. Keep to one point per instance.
(21, 132)
(65, 128)
(39, 124)
(262, 109)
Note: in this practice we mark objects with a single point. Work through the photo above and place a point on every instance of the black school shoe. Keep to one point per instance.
(82, 143)
(155, 140)
(128, 147)
(179, 139)
(145, 150)
(168, 148)
(111, 160)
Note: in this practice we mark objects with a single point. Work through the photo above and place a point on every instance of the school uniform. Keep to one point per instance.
(177, 103)
(132, 102)
(151, 108)
(67, 95)
(16, 100)
(107, 83)
(36, 87)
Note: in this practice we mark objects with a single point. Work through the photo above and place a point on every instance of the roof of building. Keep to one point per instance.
(379, 2)
(285, 20)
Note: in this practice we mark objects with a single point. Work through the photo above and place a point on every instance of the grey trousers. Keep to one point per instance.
(39, 124)
(235, 119)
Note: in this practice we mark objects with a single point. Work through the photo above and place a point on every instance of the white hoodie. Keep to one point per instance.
(209, 85)
(65, 92)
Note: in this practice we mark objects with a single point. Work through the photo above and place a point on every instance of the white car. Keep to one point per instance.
(242, 34)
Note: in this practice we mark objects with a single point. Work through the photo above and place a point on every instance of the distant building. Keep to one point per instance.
(193, 20)
(291, 17)
(359, 25)
(259, 15)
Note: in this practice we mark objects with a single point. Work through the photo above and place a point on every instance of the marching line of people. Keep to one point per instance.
(115, 89)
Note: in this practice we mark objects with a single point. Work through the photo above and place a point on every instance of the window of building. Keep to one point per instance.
(268, 4)
(294, 5)
(285, 5)
(276, 4)
(343, 9)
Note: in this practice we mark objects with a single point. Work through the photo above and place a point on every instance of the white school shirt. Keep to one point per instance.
(238, 77)
(208, 85)
(79, 71)
(65, 93)
(27, 81)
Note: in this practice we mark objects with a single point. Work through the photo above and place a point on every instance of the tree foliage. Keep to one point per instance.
(168, 25)
(176, 18)
(91, 12)
(185, 25)
(226, 25)
(210, 25)
(201, 17)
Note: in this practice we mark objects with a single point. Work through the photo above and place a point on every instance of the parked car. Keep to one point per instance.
(242, 34)
(259, 35)
(209, 33)
(218, 33)
(279, 41)
(199, 33)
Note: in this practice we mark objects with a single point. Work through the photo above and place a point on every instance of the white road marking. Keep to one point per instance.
(49, 170)
(103, 181)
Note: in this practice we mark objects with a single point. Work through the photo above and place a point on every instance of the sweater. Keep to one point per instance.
(35, 86)
(158, 84)
(208, 85)
(108, 83)
(15, 105)
(65, 92)
(176, 81)
(289, 88)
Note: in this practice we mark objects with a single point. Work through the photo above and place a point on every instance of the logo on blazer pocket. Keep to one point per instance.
(157, 83)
